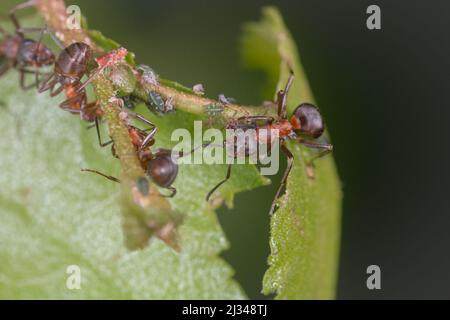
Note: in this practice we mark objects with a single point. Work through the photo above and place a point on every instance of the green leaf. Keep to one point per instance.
(305, 231)
(53, 216)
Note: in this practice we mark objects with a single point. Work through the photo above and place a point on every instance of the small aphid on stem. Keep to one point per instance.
(169, 105)
(199, 89)
(226, 100)
(148, 75)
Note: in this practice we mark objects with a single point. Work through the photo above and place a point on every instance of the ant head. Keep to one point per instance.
(307, 121)
(44, 56)
(162, 169)
(35, 53)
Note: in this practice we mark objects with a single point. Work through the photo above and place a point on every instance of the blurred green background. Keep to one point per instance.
(384, 95)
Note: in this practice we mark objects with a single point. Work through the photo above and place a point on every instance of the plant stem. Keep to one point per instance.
(54, 11)
(198, 105)
(118, 132)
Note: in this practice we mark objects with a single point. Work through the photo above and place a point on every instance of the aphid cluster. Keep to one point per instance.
(77, 61)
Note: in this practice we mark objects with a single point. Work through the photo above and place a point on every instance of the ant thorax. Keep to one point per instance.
(241, 139)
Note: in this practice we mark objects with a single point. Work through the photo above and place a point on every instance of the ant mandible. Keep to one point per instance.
(305, 126)
(22, 53)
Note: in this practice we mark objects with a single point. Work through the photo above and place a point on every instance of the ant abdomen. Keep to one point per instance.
(73, 60)
(308, 121)
(162, 169)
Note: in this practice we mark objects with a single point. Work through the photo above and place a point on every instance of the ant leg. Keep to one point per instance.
(97, 127)
(54, 92)
(181, 154)
(12, 14)
(290, 162)
(325, 147)
(152, 133)
(39, 43)
(282, 97)
(89, 80)
(91, 77)
(147, 139)
(90, 111)
(43, 30)
(22, 81)
(23, 72)
(173, 194)
(89, 127)
(220, 183)
(48, 83)
(101, 174)
(54, 38)
(70, 104)
(36, 79)
(141, 118)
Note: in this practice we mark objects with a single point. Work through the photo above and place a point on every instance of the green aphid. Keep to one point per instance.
(143, 185)
(156, 102)
(214, 110)
(129, 102)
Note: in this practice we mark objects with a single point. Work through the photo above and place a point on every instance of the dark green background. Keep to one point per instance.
(384, 94)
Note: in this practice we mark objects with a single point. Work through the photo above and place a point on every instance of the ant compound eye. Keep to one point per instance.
(308, 120)
(162, 170)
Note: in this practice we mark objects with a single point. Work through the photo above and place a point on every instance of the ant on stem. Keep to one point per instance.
(305, 126)
(70, 67)
(159, 165)
(23, 54)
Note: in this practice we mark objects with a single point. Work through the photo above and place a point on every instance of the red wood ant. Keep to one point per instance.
(70, 67)
(305, 126)
(159, 165)
(24, 54)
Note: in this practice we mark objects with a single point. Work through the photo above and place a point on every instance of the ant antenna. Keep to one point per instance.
(282, 96)
(101, 174)
(54, 37)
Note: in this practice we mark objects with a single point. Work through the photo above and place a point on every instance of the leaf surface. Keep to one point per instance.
(54, 216)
